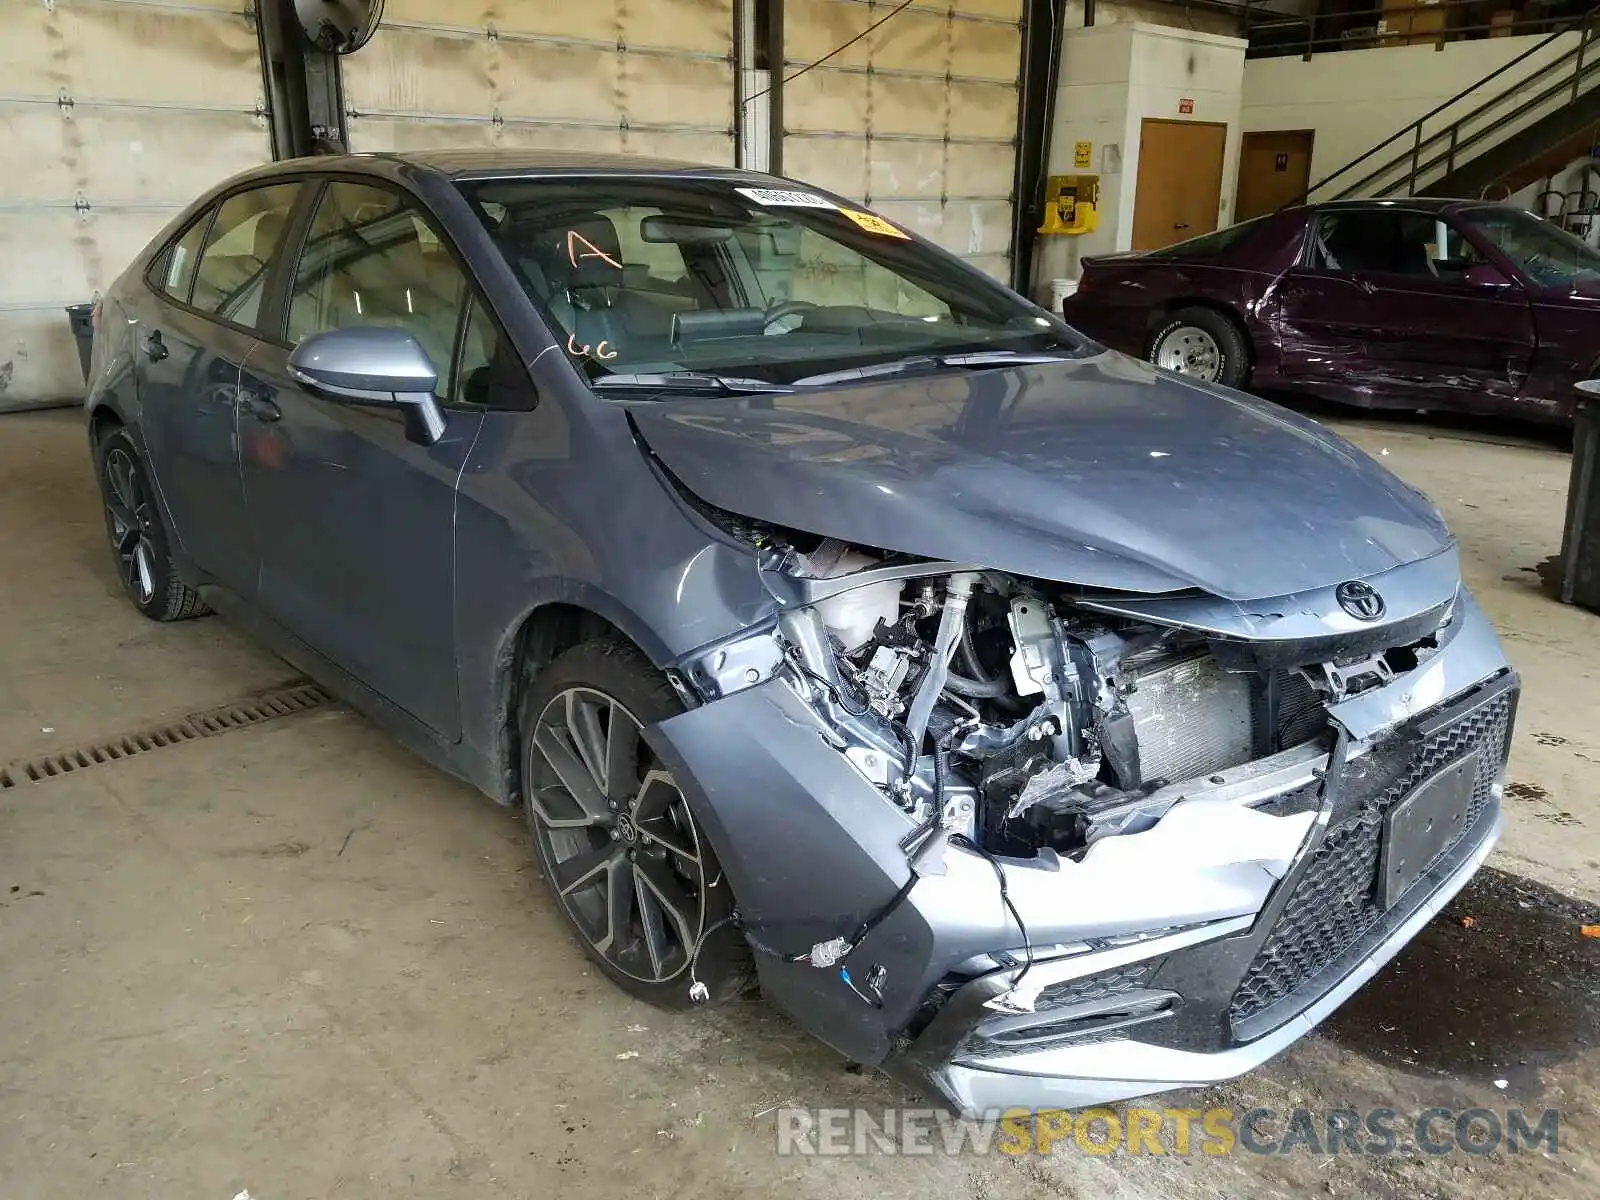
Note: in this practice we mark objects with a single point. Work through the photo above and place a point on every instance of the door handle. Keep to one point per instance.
(155, 349)
(1181, 225)
(262, 409)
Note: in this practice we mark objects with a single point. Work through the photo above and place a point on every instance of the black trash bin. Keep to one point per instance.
(1580, 539)
(81, 316)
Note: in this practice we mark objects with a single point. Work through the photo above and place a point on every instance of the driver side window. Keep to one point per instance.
(1373, 241)
(371, 259)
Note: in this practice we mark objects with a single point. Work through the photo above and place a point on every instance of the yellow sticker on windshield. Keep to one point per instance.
(873, 223)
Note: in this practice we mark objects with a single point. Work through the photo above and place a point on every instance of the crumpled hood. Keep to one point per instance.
(1101, 472)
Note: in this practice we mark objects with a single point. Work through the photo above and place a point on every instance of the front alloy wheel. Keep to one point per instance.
(614, 835)
(619, 845)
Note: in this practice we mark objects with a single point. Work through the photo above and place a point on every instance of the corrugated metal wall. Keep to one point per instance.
(918, 119)
(648, 77)
(116, 113)
(113, 115)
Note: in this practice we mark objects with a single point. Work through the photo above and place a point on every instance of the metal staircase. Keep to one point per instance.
(1521, 122)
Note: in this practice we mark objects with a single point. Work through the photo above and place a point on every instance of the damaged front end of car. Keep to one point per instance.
(1029, 844)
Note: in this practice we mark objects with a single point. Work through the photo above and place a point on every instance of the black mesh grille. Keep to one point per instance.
(1335, 902)
(1296, 800)
(1095, 987)
(1104, 1022)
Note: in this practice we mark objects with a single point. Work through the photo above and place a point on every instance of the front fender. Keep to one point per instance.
(808, 847)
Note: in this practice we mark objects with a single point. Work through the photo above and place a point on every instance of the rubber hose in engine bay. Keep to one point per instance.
(978, 684)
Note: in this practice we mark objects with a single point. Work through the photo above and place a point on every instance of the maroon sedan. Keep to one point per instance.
(1418, 304)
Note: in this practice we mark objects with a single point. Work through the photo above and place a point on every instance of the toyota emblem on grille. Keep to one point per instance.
(1360, 600)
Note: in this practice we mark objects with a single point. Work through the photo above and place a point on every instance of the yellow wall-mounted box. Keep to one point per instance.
(1071, 204)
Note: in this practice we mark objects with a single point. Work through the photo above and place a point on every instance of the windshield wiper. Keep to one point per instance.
(688, 381)
(985, 358)
(898, 366)
(924, 362)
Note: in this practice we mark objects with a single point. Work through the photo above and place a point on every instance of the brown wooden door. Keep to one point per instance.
(1179, 187)
(1274, 170)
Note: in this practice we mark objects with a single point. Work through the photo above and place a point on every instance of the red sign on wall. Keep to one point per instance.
(1185, 106)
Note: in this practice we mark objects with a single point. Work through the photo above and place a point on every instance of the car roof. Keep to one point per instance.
(1426, 204)
(491, 163)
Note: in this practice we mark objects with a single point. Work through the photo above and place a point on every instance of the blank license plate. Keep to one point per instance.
(1431, 818)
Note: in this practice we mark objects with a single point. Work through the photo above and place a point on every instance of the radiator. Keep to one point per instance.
(1192, 718)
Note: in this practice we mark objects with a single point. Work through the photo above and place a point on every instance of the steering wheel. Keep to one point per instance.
(779, 309)
(1541, 269)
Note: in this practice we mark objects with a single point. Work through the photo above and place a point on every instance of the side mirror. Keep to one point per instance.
(1485, 275)
(377, 367)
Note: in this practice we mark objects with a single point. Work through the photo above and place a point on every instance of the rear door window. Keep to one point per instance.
(243, 243)
(174, 274)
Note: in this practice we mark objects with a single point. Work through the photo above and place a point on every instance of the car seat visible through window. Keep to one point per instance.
(376, 262)
(575, 264)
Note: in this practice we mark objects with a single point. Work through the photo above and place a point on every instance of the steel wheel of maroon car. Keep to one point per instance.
(1203, 344)
(1189, 350)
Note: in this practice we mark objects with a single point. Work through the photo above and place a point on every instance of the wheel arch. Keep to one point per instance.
(105, 414)
(541, 633)
(1167, 309)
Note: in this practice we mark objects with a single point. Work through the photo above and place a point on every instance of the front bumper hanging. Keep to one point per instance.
(1176, 956)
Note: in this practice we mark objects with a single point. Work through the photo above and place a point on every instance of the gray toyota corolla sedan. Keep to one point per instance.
(1041, 727)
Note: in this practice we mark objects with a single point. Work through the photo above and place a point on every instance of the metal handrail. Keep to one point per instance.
(1308, 48)
(1582, 24)
(1259, 19)
(1459, 140)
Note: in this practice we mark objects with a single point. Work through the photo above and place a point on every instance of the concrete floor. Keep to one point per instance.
(296, 961)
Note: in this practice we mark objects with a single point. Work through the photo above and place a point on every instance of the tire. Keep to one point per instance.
(140, 549)
(1202, 343)
(629, 868)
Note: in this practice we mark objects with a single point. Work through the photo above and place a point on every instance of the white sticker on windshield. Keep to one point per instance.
(783, 198)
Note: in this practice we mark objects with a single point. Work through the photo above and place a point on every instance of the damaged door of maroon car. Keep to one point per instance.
(1395, 308)
(1561, 274)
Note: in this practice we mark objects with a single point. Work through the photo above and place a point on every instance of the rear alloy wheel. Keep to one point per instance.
(138, 539)
(614, 835)
(1203, 344)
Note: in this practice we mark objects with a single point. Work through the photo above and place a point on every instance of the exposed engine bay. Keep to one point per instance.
(1007, 712)
(1019, 813)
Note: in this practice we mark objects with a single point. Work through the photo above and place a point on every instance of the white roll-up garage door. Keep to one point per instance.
(114, 114)
(604, 76)
(918, 119)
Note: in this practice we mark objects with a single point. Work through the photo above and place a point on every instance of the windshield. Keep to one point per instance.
(1547, 254)
(665, 277)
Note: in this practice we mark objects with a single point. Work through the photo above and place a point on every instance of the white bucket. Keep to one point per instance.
(1060, 289)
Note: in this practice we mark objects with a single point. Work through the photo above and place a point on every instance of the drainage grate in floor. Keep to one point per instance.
(279, 702)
